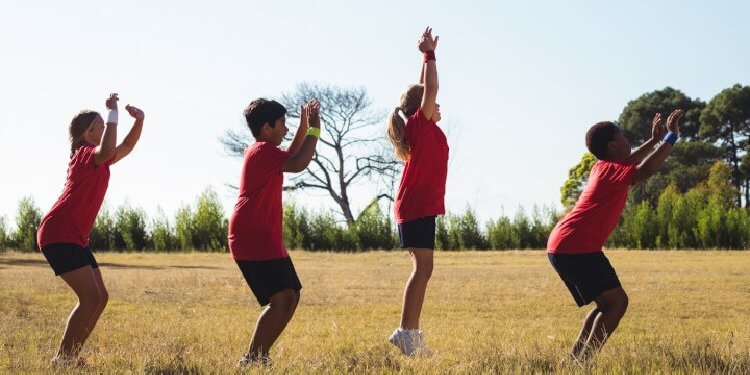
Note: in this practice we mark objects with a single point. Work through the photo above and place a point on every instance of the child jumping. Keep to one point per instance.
(574, 247)
(63, 234)
(255, 237)
(420, 198)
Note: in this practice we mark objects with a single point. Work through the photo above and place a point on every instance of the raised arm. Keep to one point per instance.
(658, 131)
(421, 74)
(106, 148)
(133, 136)
(654, 160)
(427, 45)
(420, 47)
(299, 137)
(299, 160)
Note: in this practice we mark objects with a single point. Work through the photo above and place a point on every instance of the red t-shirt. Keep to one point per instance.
(255, 225)
(585, 229)
(422, 189)
(71, 218)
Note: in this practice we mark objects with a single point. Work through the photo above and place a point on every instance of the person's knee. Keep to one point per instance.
(295, 302)
(423, 272)
(90, 300)
(103, 298)
(618, 301)
(285, 301)
(622, 303)
(423, 269)
(613, 300)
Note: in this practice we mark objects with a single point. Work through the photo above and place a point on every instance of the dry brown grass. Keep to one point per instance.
(486, 312)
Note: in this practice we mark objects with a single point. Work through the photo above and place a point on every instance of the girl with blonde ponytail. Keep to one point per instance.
(63, 234)
(420, 143)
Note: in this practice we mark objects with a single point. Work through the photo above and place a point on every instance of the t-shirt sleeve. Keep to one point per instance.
(416, 124)
(623, 173)
(86, 156)
(630, 171)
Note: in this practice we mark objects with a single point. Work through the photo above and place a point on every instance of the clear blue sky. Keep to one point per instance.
(520, 82)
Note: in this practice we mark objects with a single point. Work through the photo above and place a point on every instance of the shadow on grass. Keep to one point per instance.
(197, 267)
(148, 267)
(43, 262)
(133, 266)
(23, 262)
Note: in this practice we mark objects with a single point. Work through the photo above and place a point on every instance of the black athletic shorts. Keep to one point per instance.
(66, 257)
(417, 233)
(268, 277)
(585, 275)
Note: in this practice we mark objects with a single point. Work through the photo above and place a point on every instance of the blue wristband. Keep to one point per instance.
(671, 138)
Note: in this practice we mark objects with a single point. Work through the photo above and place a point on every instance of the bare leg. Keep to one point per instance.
(416, 287)
(612, 304)
(585, 332)
(84, 284)
(272, 322)
(103, 298)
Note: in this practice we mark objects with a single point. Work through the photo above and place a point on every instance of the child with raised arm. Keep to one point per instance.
(574, 247)
(420, 197)
(63, 234)
(255, 238)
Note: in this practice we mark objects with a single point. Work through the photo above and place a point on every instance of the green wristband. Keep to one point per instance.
(315, 132)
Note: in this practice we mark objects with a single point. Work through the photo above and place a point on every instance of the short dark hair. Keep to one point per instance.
(261, 111)
(599, 136)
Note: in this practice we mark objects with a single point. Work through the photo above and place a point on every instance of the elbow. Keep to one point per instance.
(644, 173)
(128, 146)
(295, 167)
(301, 167)
(107, 153)
(304, 165)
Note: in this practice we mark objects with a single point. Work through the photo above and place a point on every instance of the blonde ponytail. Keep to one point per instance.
(397, 134)
(411, 99)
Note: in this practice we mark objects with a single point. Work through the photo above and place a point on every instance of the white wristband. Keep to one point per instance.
(112, 117)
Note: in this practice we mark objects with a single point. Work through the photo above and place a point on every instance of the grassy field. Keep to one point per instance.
(486, 312)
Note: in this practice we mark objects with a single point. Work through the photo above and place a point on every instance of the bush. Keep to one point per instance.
(130, 228)
(183, 228)
(28, 218)
(374, 229)
(4, 241)
(706, 216)
(209, 224)
(162, 234)
(103, 233)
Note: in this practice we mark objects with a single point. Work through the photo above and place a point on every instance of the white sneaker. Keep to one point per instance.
(60, 361)
(422, 349)
(248, 361)
(410, 341)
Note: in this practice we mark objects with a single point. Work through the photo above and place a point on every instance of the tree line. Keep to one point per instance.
(704, 217)
(203, 226)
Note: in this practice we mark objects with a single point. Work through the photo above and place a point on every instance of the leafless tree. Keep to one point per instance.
(352, 149)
